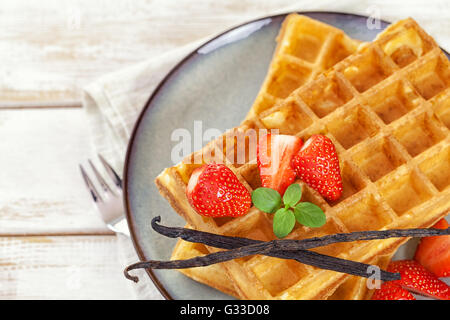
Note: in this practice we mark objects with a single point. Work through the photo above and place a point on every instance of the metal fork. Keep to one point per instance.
(110, 201)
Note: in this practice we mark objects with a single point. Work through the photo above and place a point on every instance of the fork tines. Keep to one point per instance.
(106, 187)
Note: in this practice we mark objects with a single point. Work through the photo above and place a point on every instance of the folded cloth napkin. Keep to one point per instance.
(113, 102)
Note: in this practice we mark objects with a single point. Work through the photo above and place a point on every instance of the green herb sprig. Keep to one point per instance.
(288, 210)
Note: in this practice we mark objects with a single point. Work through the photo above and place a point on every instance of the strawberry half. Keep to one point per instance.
(419, 280)
(317, 164)
(215, 191)
(434, 252)
(390, 291)
(274, 156)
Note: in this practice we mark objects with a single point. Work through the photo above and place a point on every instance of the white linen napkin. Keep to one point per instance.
(113, 102)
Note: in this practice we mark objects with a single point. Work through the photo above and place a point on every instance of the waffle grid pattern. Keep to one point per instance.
(305, 48)
(322, 46)
(385, 108)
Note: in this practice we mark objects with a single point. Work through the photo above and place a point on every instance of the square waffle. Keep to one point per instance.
(354, 288)
(384, 108)
(322, 46)
(305, 48)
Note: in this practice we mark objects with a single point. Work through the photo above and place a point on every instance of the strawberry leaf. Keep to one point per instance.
(310, 215)
(283, 222)
(266, 199)
(292, 195)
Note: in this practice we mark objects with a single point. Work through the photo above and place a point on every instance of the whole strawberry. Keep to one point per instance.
(317, 164)
(215, 191)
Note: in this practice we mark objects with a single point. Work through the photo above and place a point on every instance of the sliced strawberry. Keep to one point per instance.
(434, 252)
(317, 164)
(418, 279)
(390, 291)
(275, 153)
(215, 191)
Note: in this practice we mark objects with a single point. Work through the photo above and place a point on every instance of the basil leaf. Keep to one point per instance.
(283, 222)
(310, 215)
(266, 199)
(292, 195)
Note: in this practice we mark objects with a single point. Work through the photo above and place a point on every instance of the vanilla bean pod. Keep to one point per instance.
(287, 249)
(303, 256)
(226, 242)
(200, 261)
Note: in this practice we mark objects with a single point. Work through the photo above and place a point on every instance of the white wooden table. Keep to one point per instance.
(53, 245)
(52, 242)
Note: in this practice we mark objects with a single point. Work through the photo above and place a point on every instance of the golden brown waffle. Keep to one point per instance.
(355, 288)
(305, 48)
(322, 46)
(384, 108)
(214, 275)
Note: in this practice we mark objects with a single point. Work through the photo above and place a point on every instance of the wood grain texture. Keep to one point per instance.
(41, 187)
(79, 267)
(50, 49)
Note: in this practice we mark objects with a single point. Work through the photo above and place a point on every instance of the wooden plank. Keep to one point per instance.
(79, 267)
(50, 49)
(41, 190)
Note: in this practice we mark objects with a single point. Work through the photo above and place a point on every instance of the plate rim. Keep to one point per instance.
(131, 142)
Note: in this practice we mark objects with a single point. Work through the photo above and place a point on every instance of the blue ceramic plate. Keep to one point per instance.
(217, 84)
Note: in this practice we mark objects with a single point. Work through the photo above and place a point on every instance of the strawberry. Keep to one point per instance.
(390, 291)
(317, 164)
(418, 279)
(215, 191)
(434, 252)
(274, 156)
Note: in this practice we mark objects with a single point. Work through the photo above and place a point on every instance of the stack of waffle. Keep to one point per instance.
(385, 105)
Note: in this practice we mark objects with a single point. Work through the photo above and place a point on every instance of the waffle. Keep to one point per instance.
(355, 288)
(305, 48)
(215, 276)
(316, 40)
(386, 110)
